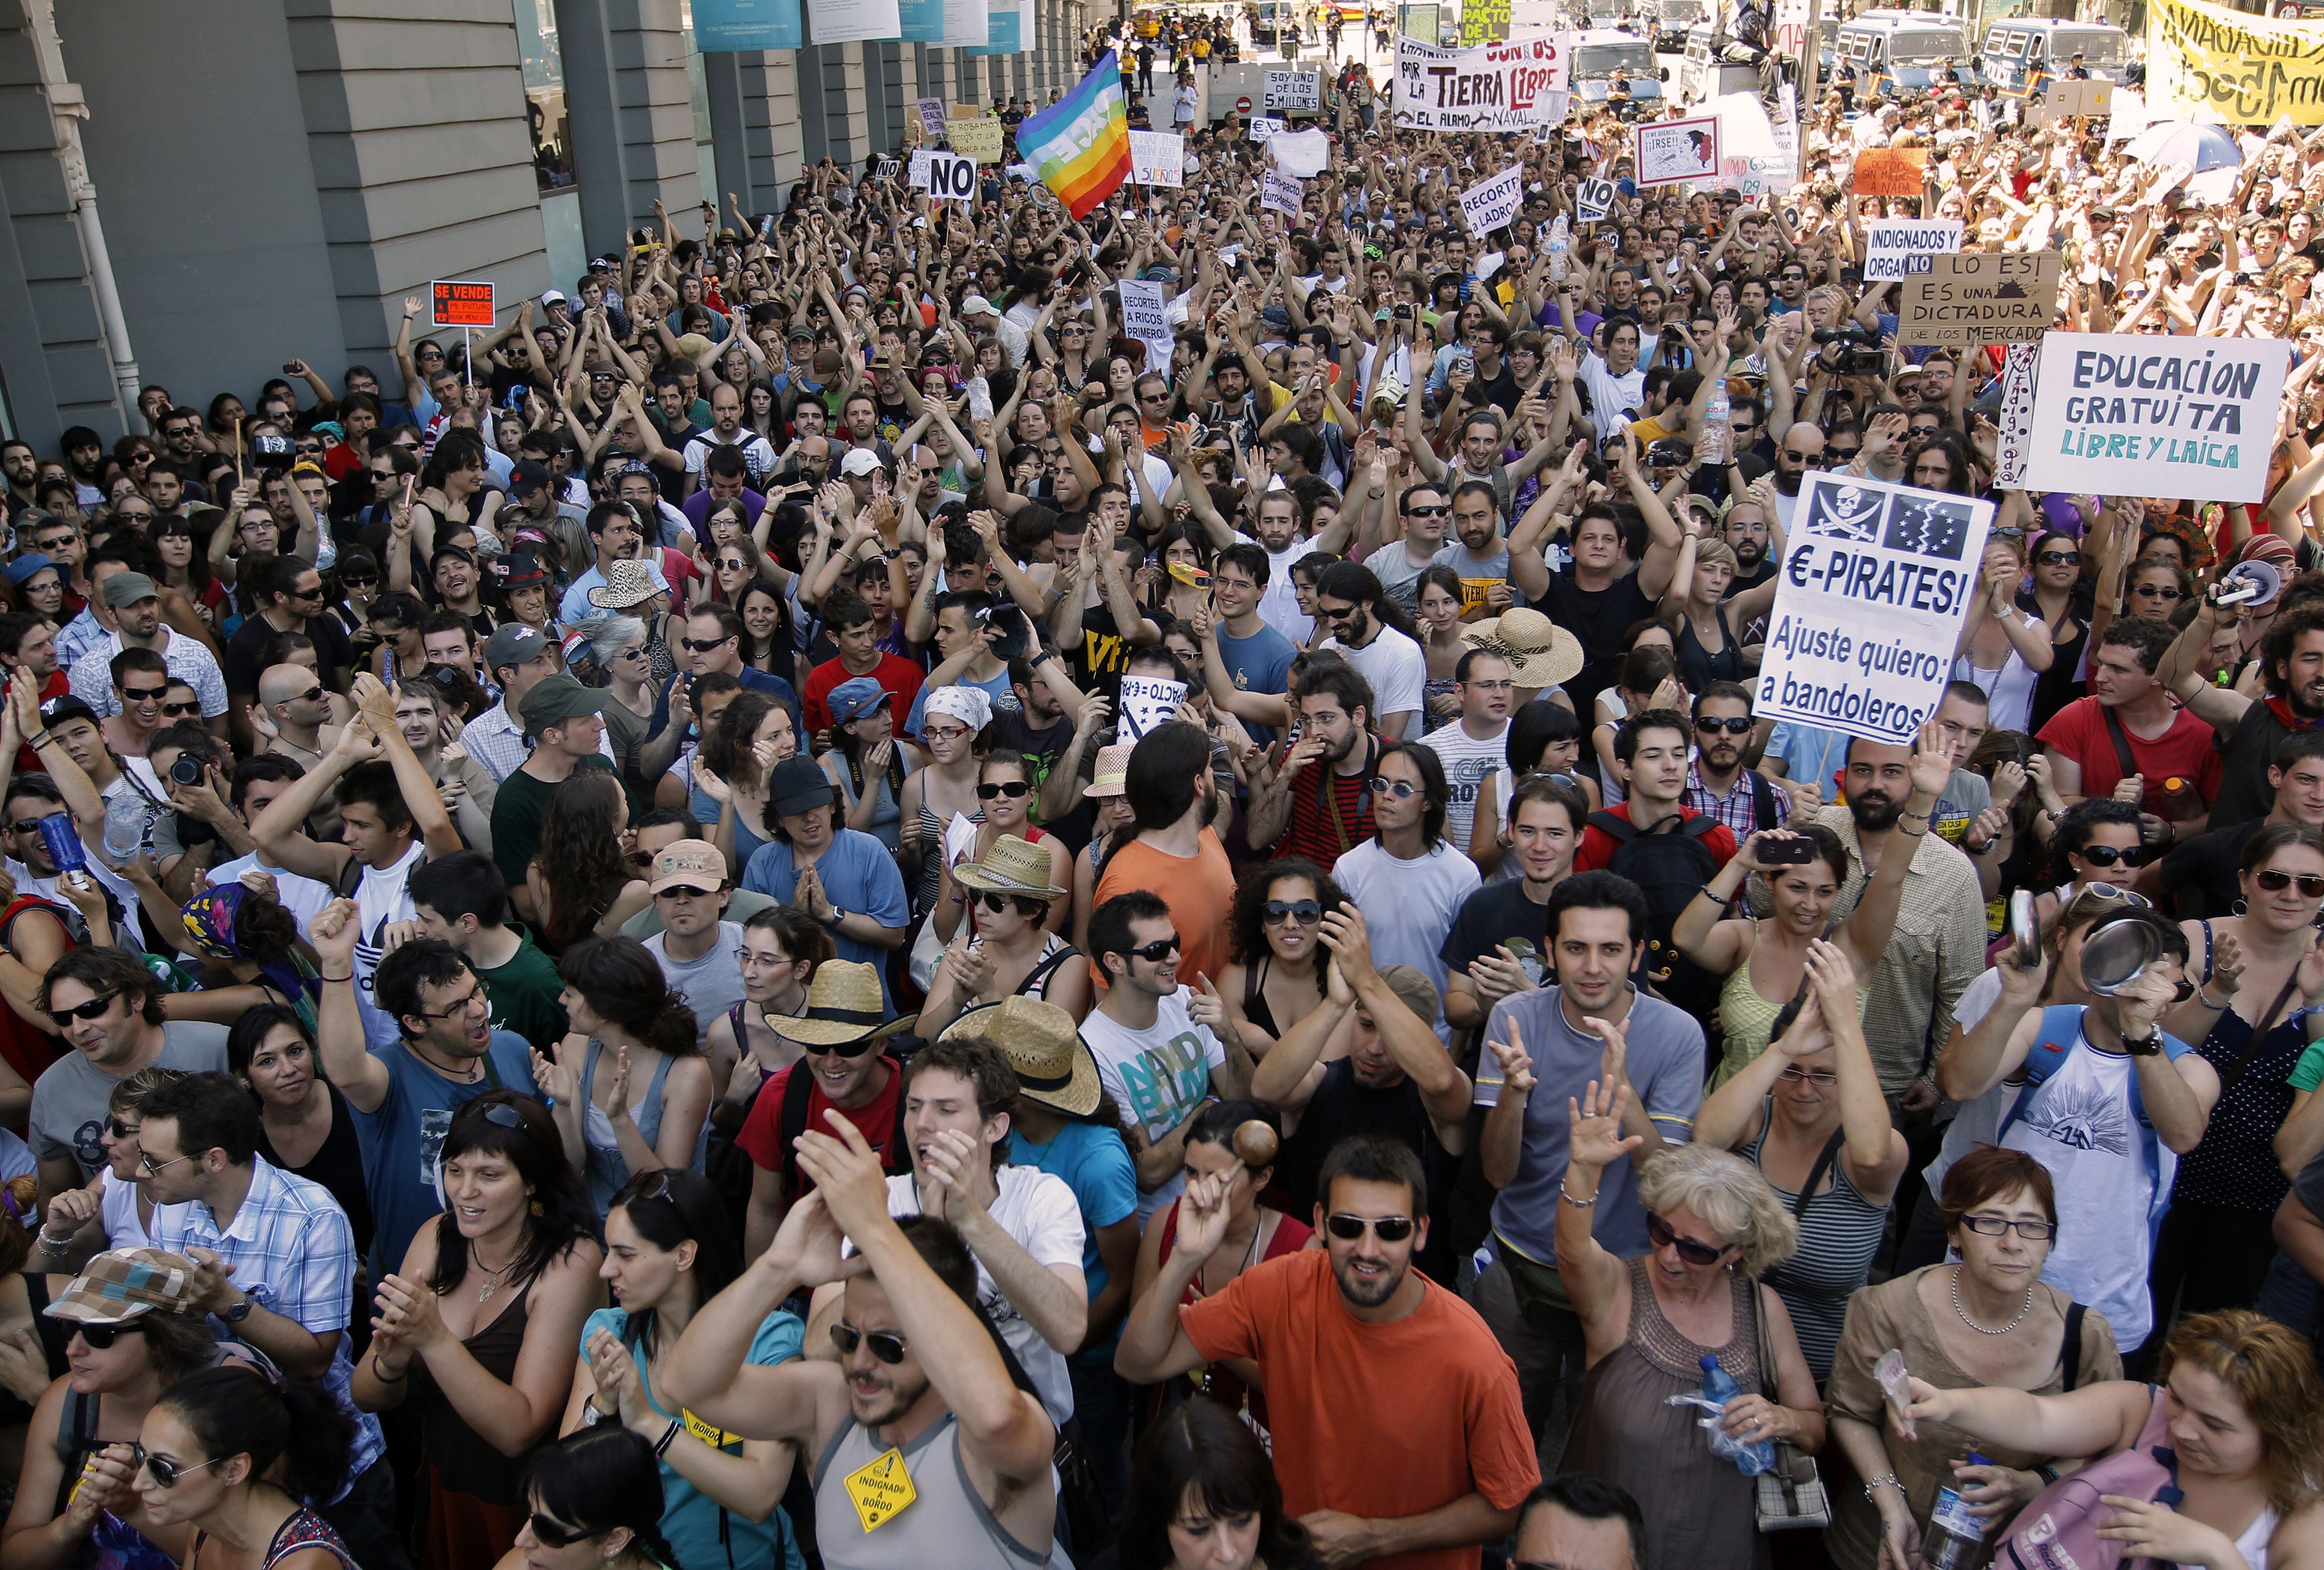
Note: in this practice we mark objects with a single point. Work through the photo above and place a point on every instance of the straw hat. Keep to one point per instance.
(845, 1005)
(1110, 775)
(1038, 1039)
(1012, 866)
(1540, 652)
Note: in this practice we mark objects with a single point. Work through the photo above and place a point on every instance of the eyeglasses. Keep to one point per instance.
(1735, 726)
(2058, 558)
(475, 996)
(1026, 905)
(704, 646)
(886, 1345)
(1011, 788)
(92, 1009)
(101, 1336)
(1822, 1078)
(2159, 591)
(1306, 912)
(190, 710)
(1388, 1229)
(155, 1168)
(1155, 952)
(1662, 1235)
(554, 1534)
(2106, 856)
(942, 732)
(1995, 1225)
(2312, 887)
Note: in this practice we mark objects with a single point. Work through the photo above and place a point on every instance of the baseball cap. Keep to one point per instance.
(799, 785)
(552, 296)
(513, 643)
(127, 589)
(860, 460)
(690, 863)
(66, 706)
(124, 1284)
(976, 305)
(855, 697)
(800, 329)
(527, 478)
(554, 699)
(21, 570)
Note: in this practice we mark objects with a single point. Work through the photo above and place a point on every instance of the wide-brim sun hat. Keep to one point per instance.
(845, 1005)
(1053, 1068)
(1013, 865)
(629, 582)
(1540, 652)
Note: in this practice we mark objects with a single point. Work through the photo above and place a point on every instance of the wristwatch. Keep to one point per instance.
(239, 1311)
(2146, 1045)
(837, 916)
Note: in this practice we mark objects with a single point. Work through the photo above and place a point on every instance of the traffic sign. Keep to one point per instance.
(1243, 105)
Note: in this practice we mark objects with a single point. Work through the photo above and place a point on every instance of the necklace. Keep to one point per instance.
(1980, 1329)
(494, 1278)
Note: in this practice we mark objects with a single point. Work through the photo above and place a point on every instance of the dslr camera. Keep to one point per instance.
(1849, 351)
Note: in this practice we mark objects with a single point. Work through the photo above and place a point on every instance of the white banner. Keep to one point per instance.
(2016, 417)
(1876, 584)
(1158, 158)
(919, 177)
(1265, 128)
(952, 177)
(853, 21)
(1495, 87)
(1891, 245)
(1280, 193)
(1594, 199)
(1141, 309)
(1305, 154)
(1674, 152)
(1294, 92)
(1492, 203)
(932, 117)
(2132, 414)
(1146, 702)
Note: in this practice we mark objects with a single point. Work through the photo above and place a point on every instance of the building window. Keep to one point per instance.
(544, 93)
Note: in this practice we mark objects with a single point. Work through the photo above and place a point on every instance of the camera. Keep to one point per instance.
(1849, 351)
(186, 769)
(1009, 620)
(1795, 850)
(1671, 452)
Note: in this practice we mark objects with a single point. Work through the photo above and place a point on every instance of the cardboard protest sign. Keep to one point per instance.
(1992, 297)
(978, 135)
(1146, 702)
(1500, 87)
(1293, 91)
(1674, 152)
(1158, 158)
(1491, 204)
(1899, 171)
(2064, 98)
(1875, 585)
(2133, 414)
(1280, 193)
(1894, 248)
(1594, 199)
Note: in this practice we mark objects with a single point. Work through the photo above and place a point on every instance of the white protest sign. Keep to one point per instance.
(2130, 414)
(1294, 92)
(1491, 203)
(1281, 193)
(1674, 152)
(1305, 154)
(919, 177)
(1263, 128)
(932, 116)
(1147, 702)
(1594, 199)
(1873, 588)
(2015, 417)
(1895, 247)
(886, 169)
(1495, 87)
(1141, 309)
(1158, 158)
(952, 177)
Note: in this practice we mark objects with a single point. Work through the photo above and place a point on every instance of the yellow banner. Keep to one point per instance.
(2203, 62)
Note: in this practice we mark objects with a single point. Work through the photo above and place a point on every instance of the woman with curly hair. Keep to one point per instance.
(582, 880)
(1277, 975)
(649, 1106)
(754, 734)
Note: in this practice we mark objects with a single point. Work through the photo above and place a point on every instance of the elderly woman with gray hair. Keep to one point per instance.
(1649, 1325)
(623, 654)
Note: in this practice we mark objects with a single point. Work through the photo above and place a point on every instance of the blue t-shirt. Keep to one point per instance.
(1095, 1164)
(1259, 664)
(859, 876)
(690, 1518)
(400, 1140)
(1811, 754)
(998, 690)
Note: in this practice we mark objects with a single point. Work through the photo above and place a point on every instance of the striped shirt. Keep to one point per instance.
(1310, 834)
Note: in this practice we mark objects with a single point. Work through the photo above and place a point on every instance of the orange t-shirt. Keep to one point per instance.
(1379, 1420)
(1199, 889)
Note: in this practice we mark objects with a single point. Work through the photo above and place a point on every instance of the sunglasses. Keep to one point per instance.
(166, 1472)
(886, 1345)
(2159, 592)
(365, 581)
(1026, 906)
(190, 710)
(143, 694)
(1011, 788)
(92, 1009)
(1844, 454)
(1388, 1229)
(1401, 790)
(2106, 856)
(119, 1130)
(2312, 887)
(1155, 952)
(2058, 558)
(552, 1534)
(1426, 511)
(1663, 1235)
(704, 646)
(684, 891)
(101, 1336)
(1306, 912)
(855, 1048)
(1739, 726)
(32, 825)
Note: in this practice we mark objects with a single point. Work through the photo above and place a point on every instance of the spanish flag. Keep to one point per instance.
(1081, 144)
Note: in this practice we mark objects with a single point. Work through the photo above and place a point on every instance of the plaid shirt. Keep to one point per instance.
(1739, 809)
(293, 1250)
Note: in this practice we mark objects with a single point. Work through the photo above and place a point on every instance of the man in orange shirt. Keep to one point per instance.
(1400, 1440)
(1174, 852)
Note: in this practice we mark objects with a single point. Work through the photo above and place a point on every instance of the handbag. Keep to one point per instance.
(1790, 1495)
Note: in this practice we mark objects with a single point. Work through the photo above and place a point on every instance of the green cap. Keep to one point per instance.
(554, 699)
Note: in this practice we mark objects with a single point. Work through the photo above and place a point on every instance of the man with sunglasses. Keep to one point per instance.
(2111, 1102)
(289, 593)
(1716, 782)
(1399, 1431)
(697, 949)
(1800, 452)
(296, 703)
(107, 1007)
(130, 602)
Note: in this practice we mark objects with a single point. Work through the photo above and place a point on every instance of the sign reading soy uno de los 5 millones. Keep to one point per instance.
(1875, 587)
(2131, 414)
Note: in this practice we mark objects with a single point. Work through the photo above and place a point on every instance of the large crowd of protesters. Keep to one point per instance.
(806, 909)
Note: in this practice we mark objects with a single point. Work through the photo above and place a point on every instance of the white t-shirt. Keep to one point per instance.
(382, 895)
(1610, 395)
(758, 456)
(117, 1209)
(1038, 1210)
(1157, 1077)
(302, 896)
(1408, 906)
(1468, 763)
(1395, 667)
(1278, 606)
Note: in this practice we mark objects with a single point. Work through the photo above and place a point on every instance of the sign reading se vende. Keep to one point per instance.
(461, 305)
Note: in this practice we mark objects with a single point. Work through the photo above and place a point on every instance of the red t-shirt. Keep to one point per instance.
(897, 677)
(878, 1122)
(1384, 1420)
(1598, 847)
(2079, 733)
(1313, 834)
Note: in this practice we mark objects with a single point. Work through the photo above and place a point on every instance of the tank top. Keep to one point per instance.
(608, 1167)
(304, 1529)
(2234, 1166)
(470, 1464)
(887, 818)
(1698, 667)
(1839, 1229)
(946, 1523)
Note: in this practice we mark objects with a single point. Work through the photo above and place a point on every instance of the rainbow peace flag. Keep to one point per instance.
(1081, 144)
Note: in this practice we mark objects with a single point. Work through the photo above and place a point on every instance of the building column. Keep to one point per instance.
(754, 123)
(832, 102)
(632, 114)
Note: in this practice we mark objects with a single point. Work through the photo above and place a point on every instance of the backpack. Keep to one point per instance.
(2059, 1530)
(1670, 869)
(2062, 1028)
(798, 1092)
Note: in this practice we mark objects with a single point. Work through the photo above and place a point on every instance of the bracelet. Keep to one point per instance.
(1722, 900)
(384, 1377)
(38, 742)
(1885, 1480)
(2203, 996)
(667, 1435)
(335, 980)
(2047, 1473)
(1577, 1204)
(47, 1241)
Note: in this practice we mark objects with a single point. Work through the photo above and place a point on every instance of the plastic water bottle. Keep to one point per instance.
(1954, 1536)
(1559, 243)
(1718, 436)
(1718, 1388)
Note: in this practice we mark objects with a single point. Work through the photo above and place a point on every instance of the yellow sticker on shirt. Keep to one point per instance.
(880, 1489)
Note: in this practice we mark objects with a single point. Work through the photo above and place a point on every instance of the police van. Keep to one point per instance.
(1894, 50)
(2023, 55)
(1702, 76)
(1599, 52)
